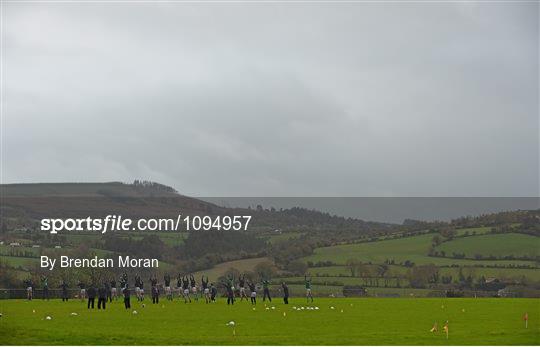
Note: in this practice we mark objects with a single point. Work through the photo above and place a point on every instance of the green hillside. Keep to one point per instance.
(418, 257)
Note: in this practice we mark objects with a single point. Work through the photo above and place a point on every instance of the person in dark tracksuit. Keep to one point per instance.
(64, 287)
(266, 291)
(102, 296)
(155, 295)
(109, 291)
(213, 292)
(285, 293)
(252, 292)
(155, 290)
(230, 293)
(91, 295)
(127, 299)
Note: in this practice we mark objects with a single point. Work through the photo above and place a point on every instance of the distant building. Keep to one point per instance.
(505, 293)
(351, 291)
(492, 280)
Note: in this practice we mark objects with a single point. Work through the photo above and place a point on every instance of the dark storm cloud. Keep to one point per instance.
(301, 99)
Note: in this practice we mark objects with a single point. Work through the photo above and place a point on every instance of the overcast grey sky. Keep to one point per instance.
(275, 99)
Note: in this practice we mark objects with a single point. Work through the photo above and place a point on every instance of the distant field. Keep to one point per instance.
(369, 321)
(242, 265)
(337, 270)
(494, 244)
(6, 249)
(19, 261)
(341, 270)
(282, 237)
(413, 248)
(476, 231)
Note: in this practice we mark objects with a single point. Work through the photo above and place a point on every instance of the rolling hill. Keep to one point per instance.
(296, 240)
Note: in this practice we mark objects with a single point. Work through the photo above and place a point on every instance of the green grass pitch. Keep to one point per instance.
(351, 322)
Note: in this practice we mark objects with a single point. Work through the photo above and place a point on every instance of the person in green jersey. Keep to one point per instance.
(309, 295)
(45, 284)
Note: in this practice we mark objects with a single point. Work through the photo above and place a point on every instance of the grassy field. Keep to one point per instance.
(475, 231)
(351, 322)
(494, 244)
(414, 249)
(19, 261)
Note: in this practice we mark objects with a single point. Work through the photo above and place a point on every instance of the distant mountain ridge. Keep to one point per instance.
(24, 204)
(136, 189)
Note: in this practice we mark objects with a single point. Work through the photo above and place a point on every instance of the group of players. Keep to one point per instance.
(186, 288)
